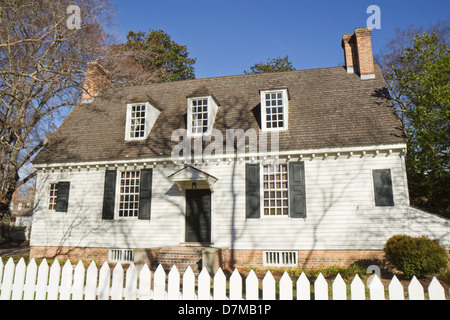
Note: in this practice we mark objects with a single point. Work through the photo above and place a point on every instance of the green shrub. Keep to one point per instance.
(415, 256)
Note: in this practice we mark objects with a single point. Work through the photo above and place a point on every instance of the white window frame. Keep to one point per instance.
(212, 111)
(118, 194)
(151, 114)
(50, 197)
(262, 190)
(285, 106)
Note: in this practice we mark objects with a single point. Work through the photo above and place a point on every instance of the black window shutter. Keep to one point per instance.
(252, 187)
(145, 194)
(297, 192)
(382, 184)
(62, 200)
(109, 195)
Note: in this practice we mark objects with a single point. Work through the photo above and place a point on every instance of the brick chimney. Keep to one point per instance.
(358, 53)
(95, 79)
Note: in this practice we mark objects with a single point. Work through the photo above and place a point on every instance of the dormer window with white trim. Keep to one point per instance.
(201, 115)
(140, 119)
(274, 110)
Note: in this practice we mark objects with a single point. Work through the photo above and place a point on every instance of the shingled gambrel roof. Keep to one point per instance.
(328, 108)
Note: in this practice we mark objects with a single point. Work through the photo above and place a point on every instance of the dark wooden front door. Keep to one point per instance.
(198, 216)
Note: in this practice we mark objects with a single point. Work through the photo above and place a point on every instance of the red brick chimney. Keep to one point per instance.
(95, 79)
(358, 53)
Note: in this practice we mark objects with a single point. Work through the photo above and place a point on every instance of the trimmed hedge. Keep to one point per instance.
(415, 256)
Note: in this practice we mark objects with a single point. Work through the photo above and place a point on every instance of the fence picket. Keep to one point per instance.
(235, 286)
(251, 286)
(220, 285)
(145, 279)
(65, 289)
(19, 278)
(204, 285)
(268, 287)
(53, 283)
(303, 288)
(376, 288)
(131, 283)
(91, 282)
(173, 288)
(357, 289)
(42, 278)
(339, 288)
(117, 283)
(8, 276)
(30, 282)
(78, 282)
(103, 282)
(159, 284)
(436, 290)
(285, 287)
(189, 284)
(396, 290)
(1, 272)
(415, 290)
(320, 288)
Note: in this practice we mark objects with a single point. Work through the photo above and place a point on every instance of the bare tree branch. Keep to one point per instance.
(42, 65)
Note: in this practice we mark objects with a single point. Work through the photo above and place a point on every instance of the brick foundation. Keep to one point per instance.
(72, 253)
(224, 258)
(308, 259)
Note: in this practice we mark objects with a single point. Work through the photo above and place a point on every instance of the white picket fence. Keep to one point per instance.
(23, 282)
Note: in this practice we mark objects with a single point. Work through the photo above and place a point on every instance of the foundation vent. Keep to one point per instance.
(280, 258)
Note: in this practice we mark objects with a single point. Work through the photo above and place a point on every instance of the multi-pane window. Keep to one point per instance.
(274, 110)
(199, 112)
(275, 187)
(52, 196)
(129, 194)
(137, 121)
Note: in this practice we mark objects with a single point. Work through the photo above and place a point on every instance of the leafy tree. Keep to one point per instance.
(42, 63)
(272, 65)
(419, 84)
(147, 58)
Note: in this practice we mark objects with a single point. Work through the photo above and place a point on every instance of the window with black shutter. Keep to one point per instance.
(145, 194)
(109, 195)
(252, 187)
(382, 184)
(132, 196)
(297, 192)
(62, 198)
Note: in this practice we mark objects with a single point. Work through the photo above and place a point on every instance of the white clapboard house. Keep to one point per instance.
(299, 168)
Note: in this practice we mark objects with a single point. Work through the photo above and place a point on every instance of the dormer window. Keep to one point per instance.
(274, 110)
(140, 119)
(137, 121)
(201, 115)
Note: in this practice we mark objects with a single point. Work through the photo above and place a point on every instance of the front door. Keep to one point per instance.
(198, 216)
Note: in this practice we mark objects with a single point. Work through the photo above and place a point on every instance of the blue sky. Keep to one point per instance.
(227, 37)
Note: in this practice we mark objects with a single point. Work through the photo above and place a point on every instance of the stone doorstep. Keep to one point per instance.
(181, 256)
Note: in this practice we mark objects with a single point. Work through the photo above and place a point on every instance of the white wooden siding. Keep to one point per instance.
(341, 212)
